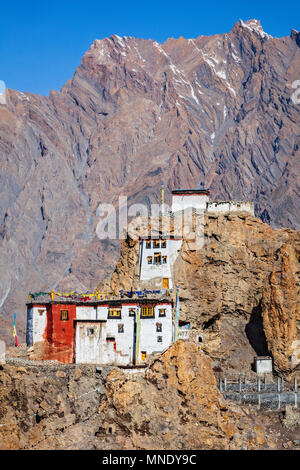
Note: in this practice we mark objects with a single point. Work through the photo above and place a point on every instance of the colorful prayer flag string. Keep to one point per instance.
(89, 296)
(15, 331)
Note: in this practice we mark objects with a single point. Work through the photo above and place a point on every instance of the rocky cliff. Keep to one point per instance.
(173, 404)
(214, 109)
(240, 291)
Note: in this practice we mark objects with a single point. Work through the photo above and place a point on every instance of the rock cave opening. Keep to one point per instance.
(255, 332)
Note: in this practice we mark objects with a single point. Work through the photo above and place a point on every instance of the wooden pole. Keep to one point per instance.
(138, 334)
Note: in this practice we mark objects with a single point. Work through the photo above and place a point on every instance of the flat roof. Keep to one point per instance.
(262, 358)
(191, 191)
(84, 320)
(161, 237)
(112, 302)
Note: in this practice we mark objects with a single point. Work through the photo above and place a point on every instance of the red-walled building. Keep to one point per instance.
(121, 332)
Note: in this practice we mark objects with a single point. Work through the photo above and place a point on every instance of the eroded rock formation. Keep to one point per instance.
(281, 310)
(173, 404)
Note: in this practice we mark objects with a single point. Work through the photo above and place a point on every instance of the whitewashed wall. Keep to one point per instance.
(181, 202)
(88, 312)
(151, 271)
(230, 206)
(148, 333)
(89, 349)
(124, 346)
(102, 311)
(263, 366)
(39, 324)
(97, 349)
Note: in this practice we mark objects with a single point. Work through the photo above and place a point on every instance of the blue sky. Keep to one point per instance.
(42, 42)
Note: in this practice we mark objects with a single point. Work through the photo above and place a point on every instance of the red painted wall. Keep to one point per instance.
(60, 333)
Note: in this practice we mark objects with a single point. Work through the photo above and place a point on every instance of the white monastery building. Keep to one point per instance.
(185, 198)
(157, 256)
(123, 331)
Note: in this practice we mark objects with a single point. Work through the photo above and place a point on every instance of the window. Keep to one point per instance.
(159, 339)
(143, 355)
(158, 327)
(165, 283)
(132, 312)
(164, 258)
(162, 312)
(157, 258)
(147, 312)
(90, 331)
(114, 313)
(64, 315)
(156, 243)
(120, 328)
(148, 243)
(163, 244)
(149, 259)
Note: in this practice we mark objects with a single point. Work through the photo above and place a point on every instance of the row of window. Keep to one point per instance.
(146, 312)
(156, 243)
(91, 331)
(157, 259)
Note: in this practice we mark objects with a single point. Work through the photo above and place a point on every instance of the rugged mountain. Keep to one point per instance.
(214, 109)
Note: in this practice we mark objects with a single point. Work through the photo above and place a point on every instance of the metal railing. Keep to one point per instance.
(265, 392)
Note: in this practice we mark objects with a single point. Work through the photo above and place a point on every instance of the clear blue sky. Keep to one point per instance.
(42, 42)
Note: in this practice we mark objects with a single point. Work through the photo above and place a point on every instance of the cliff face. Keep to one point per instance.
(180, 392)
(216, 109)
(240, 291)
(225, 291)
(174, 404)
(281, 310)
